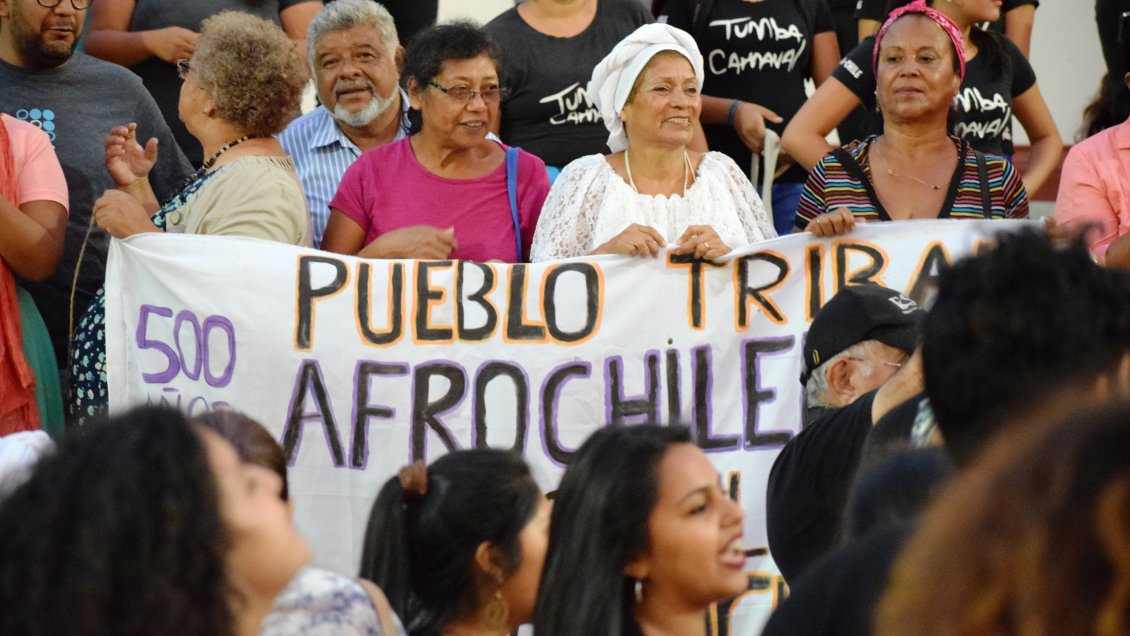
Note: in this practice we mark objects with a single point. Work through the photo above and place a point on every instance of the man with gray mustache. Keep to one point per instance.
(356, 58)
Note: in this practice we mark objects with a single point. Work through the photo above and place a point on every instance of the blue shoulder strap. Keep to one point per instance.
(512, 194)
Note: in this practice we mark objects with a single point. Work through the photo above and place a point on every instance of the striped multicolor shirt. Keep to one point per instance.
(831, 185)
(322, 153)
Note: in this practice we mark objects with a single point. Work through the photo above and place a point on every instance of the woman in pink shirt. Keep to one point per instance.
(444, 191)
(33, 217)
(1093, 191)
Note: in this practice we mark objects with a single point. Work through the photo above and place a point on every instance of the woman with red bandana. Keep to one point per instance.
(914, 169)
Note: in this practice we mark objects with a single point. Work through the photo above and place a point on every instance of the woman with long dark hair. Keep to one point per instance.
(458, 546)
(317, 602)
(642, 538)
(144, 525)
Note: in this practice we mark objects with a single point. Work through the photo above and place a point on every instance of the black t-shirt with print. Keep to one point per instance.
(549, 113)
(758, 52)
(984, 103)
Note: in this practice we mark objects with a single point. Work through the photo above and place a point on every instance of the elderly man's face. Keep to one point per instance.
(356, 74)
(38, 37)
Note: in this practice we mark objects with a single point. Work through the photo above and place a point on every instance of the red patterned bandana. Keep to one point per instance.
(919, 6)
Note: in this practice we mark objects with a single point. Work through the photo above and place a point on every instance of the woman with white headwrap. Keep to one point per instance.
(652, 191)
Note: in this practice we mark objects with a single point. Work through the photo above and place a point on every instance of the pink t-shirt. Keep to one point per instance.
(387, 189)
(39, 177)
(1094, 187)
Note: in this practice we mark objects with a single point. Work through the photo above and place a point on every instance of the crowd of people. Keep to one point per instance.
(560, 129)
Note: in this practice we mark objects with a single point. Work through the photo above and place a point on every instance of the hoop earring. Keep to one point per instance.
(495, 613)
(638, 590)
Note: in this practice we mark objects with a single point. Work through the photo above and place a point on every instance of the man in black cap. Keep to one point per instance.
(856, 343)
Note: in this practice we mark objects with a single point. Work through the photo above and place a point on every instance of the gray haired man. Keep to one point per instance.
(855, 345)
(356, 59)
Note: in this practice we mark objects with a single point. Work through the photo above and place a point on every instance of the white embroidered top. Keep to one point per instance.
(589, 204)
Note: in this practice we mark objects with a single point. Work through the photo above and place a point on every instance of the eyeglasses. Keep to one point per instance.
(490, 94)
(183, 67)
(79, 5)
(897, 365)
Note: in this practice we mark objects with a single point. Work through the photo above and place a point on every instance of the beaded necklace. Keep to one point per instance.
(211, 161)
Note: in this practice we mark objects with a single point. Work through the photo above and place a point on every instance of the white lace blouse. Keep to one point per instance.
(589, 204)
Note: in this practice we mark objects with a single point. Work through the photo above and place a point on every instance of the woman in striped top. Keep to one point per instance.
(915, 169)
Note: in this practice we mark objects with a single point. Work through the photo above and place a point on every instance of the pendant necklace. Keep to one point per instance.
(686, 172)
(886, 165)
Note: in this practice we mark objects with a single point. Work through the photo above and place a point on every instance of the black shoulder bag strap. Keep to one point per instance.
(983, 181)
(856, 172)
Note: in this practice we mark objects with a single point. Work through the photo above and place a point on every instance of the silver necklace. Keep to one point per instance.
(886, 165)
(686, 172)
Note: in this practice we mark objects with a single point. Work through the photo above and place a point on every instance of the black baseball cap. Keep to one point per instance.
(858, 313)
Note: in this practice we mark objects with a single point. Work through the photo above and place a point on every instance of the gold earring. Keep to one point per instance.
(495, 613)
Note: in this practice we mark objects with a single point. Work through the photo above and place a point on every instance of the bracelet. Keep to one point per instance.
(730, 113)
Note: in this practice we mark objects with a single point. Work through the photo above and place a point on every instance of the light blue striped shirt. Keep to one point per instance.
(322, 153)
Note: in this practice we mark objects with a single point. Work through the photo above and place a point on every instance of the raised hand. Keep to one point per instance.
(127, 161)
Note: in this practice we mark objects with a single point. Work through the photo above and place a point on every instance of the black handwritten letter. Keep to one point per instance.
(592, 301)
(425, 412)
(620, 407)
(363, 409)
(752, 393)
(395, 300)
(310, 382)
(303, 339)
(521, 384)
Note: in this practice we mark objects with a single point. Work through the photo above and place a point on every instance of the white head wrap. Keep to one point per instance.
(613, 78)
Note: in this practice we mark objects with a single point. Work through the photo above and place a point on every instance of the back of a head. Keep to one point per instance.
(1041, 522)
(253, 73)
(420, 547)
(1012, 327)
(893, 492)
(118, 532)
(599, 524)
(251, 441)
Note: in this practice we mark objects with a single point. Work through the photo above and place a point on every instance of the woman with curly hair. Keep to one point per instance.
(144, 525)
(241, 86)
(1047, 553)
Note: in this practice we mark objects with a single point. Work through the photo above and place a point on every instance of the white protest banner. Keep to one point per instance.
(359, 367)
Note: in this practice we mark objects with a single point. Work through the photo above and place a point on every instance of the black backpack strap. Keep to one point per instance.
(855, 171)
(983, 181)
